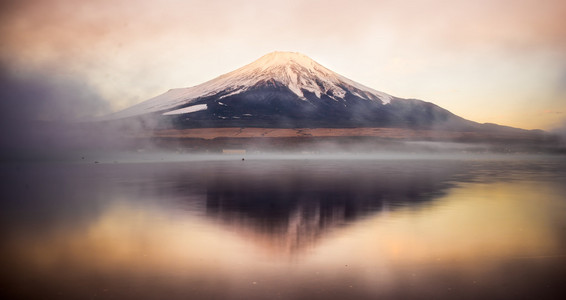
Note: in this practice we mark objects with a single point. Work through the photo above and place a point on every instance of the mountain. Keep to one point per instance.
(287, 90)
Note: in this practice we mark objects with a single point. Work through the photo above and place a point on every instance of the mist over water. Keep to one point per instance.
(286, 226)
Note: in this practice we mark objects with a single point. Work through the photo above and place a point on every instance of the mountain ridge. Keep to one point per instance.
(289, 90)
(294, 70)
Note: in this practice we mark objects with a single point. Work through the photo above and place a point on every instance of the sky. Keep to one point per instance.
(496, 61)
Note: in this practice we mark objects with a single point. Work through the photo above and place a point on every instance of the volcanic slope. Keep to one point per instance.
(289, 90)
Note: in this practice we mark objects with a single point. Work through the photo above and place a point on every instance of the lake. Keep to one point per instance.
(289, 227)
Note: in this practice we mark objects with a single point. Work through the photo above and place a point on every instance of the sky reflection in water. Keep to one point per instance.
(290, 229)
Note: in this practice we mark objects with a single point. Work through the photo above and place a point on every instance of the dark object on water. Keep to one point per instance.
(243, 159)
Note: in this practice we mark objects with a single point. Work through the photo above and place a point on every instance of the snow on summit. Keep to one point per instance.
(294, 70)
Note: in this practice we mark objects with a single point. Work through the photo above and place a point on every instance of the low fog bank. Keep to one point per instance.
(149, 151)
(46, 115)
(560, 131)
(169, 157)
(48, 140)
(354, 145)
(104, 142)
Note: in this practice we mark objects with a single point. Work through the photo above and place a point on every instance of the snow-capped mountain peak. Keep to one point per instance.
(299, 73)
(296, 71)
(280, 58)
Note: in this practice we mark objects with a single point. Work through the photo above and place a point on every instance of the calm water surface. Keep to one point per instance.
(296, 228)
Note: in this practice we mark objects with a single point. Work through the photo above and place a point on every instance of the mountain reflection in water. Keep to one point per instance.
(288, 229)
(291, 208)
